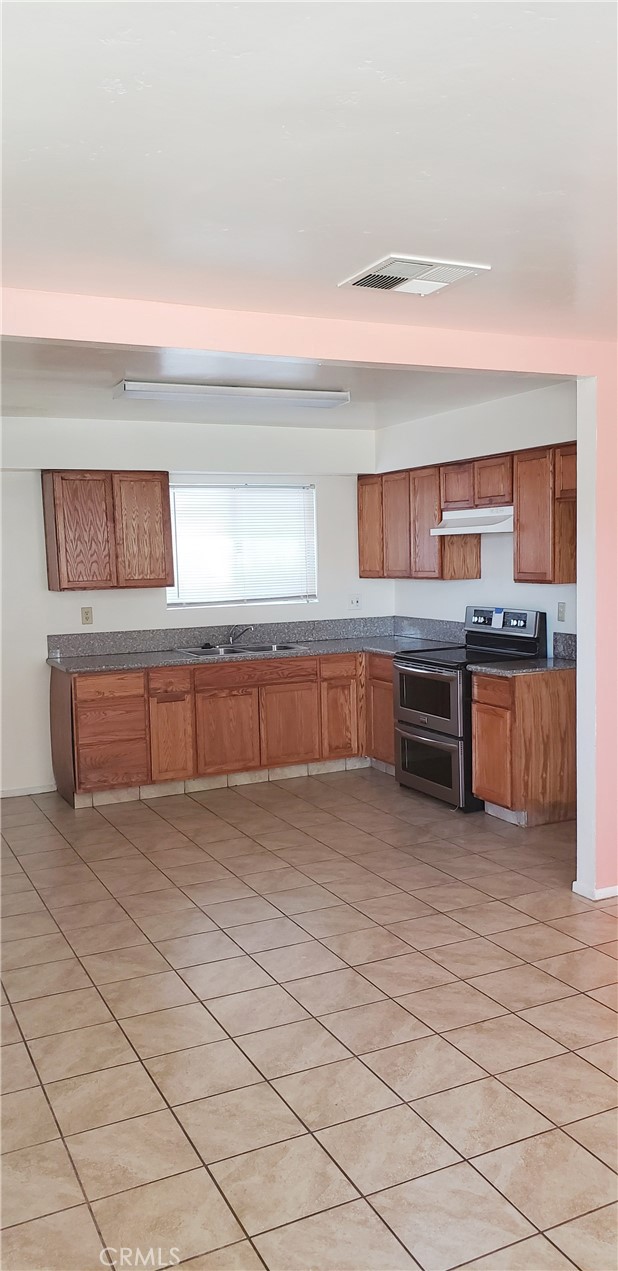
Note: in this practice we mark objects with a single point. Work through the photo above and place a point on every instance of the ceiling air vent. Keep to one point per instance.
(412, 275)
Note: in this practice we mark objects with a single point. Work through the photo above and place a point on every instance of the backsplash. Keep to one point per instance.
(565, 645)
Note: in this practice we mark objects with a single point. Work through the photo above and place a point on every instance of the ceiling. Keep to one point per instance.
(70, 380)
(251, 156)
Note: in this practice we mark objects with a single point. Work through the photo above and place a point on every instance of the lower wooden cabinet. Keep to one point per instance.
(339, 705)
(289, 724)
(228, 730)
(172, 724)
(380, 709)
(110, 730)
(491, 754)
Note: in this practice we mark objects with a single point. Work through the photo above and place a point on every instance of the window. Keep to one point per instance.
(242, 544)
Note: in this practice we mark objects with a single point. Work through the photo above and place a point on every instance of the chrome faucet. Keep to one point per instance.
(236, 633)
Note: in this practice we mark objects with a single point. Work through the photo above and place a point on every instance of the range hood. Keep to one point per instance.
(475, 521)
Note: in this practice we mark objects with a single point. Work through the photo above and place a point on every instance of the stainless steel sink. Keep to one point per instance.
(228, 650)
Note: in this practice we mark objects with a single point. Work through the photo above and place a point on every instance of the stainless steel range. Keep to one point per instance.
(433, 716)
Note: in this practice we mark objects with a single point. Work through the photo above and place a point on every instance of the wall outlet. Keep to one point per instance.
(355, 602)
(562, 611)
(87, 618)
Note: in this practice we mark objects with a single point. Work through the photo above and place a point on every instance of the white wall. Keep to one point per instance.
(541, 417)
(31, 612)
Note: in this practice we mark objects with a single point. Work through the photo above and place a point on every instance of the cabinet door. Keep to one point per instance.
(566, 472)
(339, 702)
(370, 528)
(380, 721)
(425, 514)
(533, 488)
(492, 763)
(396, 514)
(457, 486)
(79, 530)
(289, 724)
(143, 529)
(228, 730)
(172, 730)
(493, 481)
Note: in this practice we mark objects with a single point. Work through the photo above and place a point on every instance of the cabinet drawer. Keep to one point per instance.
(111, 723)
(494, 690)
(342, 666)
(268, 671)
(91, 688)
(113, 763)
(169, 680)
(379, 667)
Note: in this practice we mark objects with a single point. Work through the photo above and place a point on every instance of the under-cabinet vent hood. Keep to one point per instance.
(475, 521)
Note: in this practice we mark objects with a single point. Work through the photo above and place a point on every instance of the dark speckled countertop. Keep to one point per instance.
(524, 667)
(389, 645)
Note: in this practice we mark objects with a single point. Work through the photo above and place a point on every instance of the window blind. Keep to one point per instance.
(243, 544)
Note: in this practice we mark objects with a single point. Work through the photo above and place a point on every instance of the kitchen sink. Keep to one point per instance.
(227, 650)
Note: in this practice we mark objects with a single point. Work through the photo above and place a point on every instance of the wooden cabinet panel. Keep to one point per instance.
(380, 667)
(172, 727)
(396, 516)
(339, 703)
(380, 721)
(492, 766)
(77, 510)
(113, 763)
(494, 690)
(339, 666)
(456, 486)
(267, 671)
(493, 481)
(111, 721)
(370, 528)
(425, 514)
(566, 472)
(228, 731)
(533, 488)
(143, 529)
(289, 724)
(461, 556)
(109, 684)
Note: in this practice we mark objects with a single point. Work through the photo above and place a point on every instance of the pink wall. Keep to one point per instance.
(95, 319)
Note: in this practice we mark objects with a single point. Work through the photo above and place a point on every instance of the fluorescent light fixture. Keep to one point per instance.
(159, 392)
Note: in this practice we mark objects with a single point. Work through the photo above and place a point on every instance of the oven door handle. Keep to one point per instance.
(432, 671)
(441, 743)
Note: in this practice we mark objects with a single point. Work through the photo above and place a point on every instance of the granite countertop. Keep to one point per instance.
(523, 667)
(389, 645)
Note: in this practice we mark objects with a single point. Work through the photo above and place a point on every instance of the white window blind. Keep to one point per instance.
(243, 544)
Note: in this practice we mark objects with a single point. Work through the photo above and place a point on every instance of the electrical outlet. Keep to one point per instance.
(355, 602)
(562, 611)
(87, 618)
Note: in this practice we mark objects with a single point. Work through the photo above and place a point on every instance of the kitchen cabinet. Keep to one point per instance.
(142, 522)
(172, 724)
(566, 472)
(370, 528)
(523, 744)
(79, 530)
(545, 525)
(380, 709)
(228, 730)
(493, 481)
(396, 520)
(424, 516)
(289, 724)
(339, 706)
(110, 731)
(456, 486)
(107, 529)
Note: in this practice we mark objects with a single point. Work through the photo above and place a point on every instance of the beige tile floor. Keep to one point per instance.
(317, 1024)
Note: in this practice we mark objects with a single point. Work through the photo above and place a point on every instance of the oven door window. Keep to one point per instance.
(429, 699)
(432, 765)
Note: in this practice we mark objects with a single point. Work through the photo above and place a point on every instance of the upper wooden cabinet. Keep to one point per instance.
(143, 529)
(107, 529)
(425, 515)
(566, 472)
(370, 528)
(396, 518)
(457, 486)
(493, 481)
(545, 520)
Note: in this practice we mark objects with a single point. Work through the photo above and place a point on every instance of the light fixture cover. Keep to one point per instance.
(414, 275)
(166, 392)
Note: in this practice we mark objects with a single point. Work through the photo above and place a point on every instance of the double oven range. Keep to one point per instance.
(432, 687)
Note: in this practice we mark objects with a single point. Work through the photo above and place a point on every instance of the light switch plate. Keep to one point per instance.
(87, 616)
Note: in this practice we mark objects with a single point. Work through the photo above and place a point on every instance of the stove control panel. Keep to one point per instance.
(515, 621)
